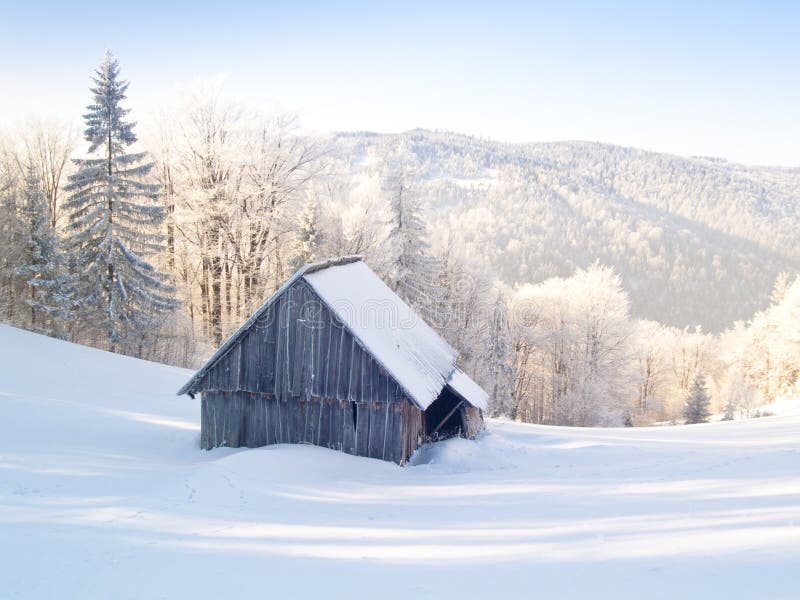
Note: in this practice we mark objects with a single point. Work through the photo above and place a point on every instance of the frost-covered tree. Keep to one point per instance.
(412, 270)
(115, 219)
(697, 406)
(12, 249)
(51, 295)
(497, 359)
(573, 345)
(651, 345)
(310, 236)
(691, 352)
(236, 181)
(48, 146)
(739, 395)
(763, 353)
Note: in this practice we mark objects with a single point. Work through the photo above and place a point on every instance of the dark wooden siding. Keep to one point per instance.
(247, 419)
(298, 376)
(300, 349)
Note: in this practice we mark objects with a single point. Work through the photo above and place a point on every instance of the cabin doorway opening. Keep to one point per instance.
(444, 418)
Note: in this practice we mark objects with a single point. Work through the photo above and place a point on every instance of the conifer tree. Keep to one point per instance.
(696, 409)
(115, 218)
(51, 287)
(413, 269)
(12, 250)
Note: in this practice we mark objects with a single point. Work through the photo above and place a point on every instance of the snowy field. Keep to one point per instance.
(105, 494)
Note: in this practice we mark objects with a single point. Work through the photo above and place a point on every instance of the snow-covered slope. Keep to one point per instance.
(105, 494)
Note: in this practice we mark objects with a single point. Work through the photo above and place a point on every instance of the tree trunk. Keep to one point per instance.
(205, 294)
(216, 299)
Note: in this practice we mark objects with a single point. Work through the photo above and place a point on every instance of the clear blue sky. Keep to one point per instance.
(685, 77)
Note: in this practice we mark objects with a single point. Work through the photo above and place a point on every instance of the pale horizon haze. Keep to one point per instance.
(712, 79)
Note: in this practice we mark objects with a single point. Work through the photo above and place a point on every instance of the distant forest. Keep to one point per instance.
(581, 283)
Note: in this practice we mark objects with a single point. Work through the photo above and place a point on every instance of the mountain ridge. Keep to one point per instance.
(697, 241)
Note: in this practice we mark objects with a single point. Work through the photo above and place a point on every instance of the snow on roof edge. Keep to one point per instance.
(390, 330)
(463, 385)
(366, 349)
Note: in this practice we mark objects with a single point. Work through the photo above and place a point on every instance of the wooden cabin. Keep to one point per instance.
(336, 359)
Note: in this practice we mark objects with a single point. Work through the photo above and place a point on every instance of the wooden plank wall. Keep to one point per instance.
(298, 376)
(248, 419)
(299, 348)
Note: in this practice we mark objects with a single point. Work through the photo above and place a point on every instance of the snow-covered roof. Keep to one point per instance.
(418, 359)
(415, 356)
(462, 384)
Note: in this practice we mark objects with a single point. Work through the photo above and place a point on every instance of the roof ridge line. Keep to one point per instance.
(330, 262)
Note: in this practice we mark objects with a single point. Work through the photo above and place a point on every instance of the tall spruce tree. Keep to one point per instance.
(51, 287)
(115, 219)
(696, 409)
(412, 268)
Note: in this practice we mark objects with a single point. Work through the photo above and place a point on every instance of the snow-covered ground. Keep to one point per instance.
(105, 494)
(783, 407)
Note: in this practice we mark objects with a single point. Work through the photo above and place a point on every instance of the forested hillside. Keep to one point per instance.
(697, 241)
